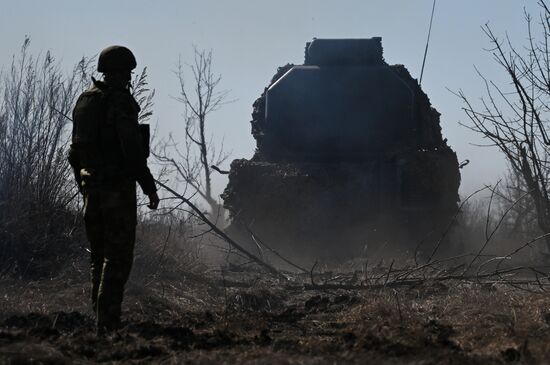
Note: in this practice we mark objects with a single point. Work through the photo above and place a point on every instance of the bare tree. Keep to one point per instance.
(193, 162)
(514, 117)
(512, 194)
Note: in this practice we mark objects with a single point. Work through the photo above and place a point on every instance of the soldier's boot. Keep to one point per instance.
(111, 291)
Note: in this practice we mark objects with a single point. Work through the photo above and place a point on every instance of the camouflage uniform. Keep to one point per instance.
(108, 156)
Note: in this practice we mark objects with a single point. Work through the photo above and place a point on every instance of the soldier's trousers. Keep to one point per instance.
(110, 217)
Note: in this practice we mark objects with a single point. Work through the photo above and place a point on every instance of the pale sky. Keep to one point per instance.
(250, 39)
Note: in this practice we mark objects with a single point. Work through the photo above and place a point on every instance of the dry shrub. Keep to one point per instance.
(504, 216)
(165, 249)
(37, 195)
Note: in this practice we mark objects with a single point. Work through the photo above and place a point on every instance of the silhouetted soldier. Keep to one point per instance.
(108, 155)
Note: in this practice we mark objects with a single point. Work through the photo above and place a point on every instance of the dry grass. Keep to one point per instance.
(251, 318)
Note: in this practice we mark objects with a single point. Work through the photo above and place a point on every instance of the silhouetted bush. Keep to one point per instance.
(38, 198)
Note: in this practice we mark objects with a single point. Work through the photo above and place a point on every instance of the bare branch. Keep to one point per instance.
(200, 97)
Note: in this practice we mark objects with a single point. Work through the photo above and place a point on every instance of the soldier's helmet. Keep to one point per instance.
(116, 58)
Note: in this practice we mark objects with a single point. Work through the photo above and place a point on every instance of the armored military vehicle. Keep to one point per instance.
(349, 160)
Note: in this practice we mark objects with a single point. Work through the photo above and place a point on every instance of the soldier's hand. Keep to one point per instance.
(153, 201)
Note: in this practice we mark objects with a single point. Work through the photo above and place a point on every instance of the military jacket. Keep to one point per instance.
(106, 140)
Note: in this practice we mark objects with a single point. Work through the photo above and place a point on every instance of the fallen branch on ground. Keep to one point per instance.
(221, 233)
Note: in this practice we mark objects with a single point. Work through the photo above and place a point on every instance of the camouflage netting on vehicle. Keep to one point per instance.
(349, 156)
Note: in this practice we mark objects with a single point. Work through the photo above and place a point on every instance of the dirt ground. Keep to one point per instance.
(250, 318)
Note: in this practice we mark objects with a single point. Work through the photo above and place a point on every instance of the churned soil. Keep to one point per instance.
(250, 318)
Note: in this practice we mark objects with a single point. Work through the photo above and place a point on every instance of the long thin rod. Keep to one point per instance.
(427, 43)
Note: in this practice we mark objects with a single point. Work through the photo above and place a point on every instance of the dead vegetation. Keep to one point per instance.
(37, 197)
(229, 317)
(514, 117)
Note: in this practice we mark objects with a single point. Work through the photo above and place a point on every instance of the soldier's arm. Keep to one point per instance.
(74, 161)
(85, 119)
(133, 150)
(74, 155)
